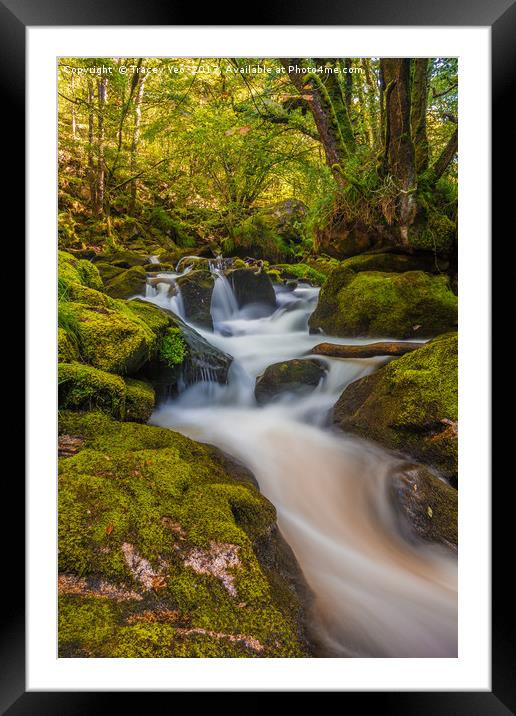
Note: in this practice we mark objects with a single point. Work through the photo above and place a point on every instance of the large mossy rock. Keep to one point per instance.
(385, 304)
(112, 339)
(128, 283)
(252, 286)
(395, 262)
(167, 549)
(293, 376)
(426, 505)
(122, 259)
(196, 289)
(82, 387)
(410, 405)
(300, 272)
(77, 271)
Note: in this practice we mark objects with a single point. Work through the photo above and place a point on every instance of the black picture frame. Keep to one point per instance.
(500, 16)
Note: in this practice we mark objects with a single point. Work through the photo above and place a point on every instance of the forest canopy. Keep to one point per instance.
(192, 151)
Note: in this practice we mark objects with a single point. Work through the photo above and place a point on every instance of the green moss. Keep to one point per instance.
(67, 268)
(403, 405)
(173, 350)
(396, 305)
(168, 496)
(156, 319)
(82, 294)
(89, 275)
(67, 349)
(86, 624)
(114, 340)
(129, 283)
(140, 399)
(302, 272)
(82, 387)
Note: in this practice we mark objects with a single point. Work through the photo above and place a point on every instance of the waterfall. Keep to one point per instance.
(224, 305)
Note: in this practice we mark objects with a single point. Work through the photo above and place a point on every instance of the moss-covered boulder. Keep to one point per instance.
(425, 504)
(395, 262)
(293, 376)
(128, 283)
(122, 259)
(82, 387)
(167, 549)
(72, 270)
(139, 400)
(196, 289)
(410, 405)
(301, 272)
(67, 348)
(252, 286)
(112, 339)
(381, 304)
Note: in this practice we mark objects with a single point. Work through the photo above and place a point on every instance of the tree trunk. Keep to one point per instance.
(136, 140)
(91, 163)
(399, 150)
(101, 166)
(443, 161)
(419, 100)
(326, 107)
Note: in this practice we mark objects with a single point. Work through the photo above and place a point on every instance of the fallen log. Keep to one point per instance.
(369, 350)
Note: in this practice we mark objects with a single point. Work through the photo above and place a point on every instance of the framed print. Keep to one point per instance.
(258, 282)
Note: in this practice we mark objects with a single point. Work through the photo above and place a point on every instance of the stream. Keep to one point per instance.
(376, 594)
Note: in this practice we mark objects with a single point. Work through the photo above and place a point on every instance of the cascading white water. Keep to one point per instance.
(164, 291)
(375, 593)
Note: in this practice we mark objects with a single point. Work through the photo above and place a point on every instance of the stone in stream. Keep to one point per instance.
(426, 505)
(293, 376)
(410, 405)
(167, 549)
(196, 289)
(182, 353)
(252, 286)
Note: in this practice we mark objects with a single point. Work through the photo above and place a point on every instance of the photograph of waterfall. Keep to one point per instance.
(258, 357)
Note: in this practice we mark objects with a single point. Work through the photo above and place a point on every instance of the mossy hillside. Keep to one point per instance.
(381, 304)
(170, 498)
(410, 405)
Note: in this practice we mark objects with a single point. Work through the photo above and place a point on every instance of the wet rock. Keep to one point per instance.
(252, 286)
(293, 376)
(427, 505)
(182, 354)
(409, 405)
(196, 289)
